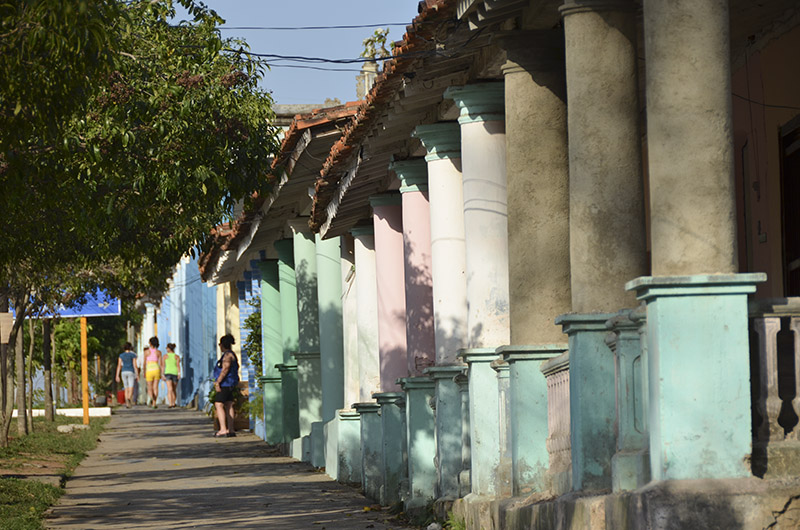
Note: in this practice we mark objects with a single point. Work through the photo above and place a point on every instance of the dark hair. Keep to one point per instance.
(127, 346)
(227, 341)
(171, 347)
(153, 342)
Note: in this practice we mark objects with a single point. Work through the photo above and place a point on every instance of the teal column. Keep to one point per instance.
(393, 450)
(272, 351)
(345, 446)
(420, 444)
(371, 449)
(329, 293)
(309, 384)
(502, 475)
(699, 422)
(630, 465)
(527, 415)
(289, 337)
(483, 419)
(591, 400)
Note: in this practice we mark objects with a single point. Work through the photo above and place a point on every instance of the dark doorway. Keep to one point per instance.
(790, 206)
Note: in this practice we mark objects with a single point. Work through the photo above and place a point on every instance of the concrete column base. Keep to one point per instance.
(698, 361)
(291, 425)
(447, 418)
(273, 409)
(528, 415)
(371, 449)
(343, 447)
(420, 443)
(484, 426)
(592, 405)
(317, 444)
(394, 457)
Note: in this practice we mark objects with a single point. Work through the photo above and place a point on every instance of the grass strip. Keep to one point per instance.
(23, 503)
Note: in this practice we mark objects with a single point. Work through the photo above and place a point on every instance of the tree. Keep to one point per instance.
(123, 140)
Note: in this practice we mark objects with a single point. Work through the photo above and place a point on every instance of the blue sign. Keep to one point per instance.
(99, 304)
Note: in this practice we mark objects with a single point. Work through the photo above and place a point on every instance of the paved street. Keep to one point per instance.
(161, 469)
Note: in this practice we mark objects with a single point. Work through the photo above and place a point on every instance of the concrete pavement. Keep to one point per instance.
(162, 469)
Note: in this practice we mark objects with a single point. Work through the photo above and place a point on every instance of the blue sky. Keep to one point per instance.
(297, 86)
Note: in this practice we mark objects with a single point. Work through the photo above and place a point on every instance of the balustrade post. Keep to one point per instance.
(558, 444)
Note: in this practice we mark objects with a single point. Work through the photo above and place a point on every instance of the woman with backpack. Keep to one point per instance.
(226, 377)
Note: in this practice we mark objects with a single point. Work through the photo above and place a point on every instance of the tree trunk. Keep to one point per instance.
(22, 409)
(32, 335)
(47, 368)
(6, 379)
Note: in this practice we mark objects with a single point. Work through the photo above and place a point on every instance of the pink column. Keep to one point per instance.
(413, 175)
(387, 216)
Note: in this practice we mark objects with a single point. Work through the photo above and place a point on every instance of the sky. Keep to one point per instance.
(293, 86)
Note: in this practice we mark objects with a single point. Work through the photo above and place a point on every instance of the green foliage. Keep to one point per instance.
(375, 45)
(123, 141)
(252, 343)
(23, 502)
(454, 523)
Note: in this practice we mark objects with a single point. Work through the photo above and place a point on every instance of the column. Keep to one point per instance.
(390, 274)
(371, 449)
(538, 184)
(309, 386)
(607, 228)
(697, 327)
(483, 157)
(272, 351)
(329, 292)
(465, 475)
(442, 141)
(349, 320)
(289, 338)
(367, 313)
(420, 343)
(329, 297)
(486, 245)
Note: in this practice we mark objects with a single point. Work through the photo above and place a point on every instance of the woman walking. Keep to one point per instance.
(226, 377)
(152, 373)
(171, 366)
(126, 367)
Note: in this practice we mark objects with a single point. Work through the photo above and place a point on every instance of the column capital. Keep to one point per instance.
(441, 140)
(571, 7)
(478, 355)
(385, 199)
(357, 231)
(269, 269)
(574, 322)
(534, 352)
(413, 174)
(299, 225)
(479, 102)
(533, 50)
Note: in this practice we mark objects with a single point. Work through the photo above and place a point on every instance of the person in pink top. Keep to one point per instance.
(152, 373)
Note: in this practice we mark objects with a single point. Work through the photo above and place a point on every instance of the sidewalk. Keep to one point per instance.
(162, 469)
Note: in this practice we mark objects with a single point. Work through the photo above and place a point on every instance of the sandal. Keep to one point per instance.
(218, 435)
(231, 435)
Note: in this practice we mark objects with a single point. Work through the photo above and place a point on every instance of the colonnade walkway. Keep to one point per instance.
(162, 469)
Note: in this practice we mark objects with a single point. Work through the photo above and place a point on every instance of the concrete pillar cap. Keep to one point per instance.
(385, 199)
(479, 102)
(441, 140)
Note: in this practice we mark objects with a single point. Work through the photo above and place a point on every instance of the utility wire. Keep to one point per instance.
(299, 28)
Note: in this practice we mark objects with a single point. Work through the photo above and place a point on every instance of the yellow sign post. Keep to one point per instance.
(85, 371)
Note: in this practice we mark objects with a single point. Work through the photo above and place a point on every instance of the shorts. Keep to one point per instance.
(128, 379)
(152, 375)
(172, 377)
(224, 395)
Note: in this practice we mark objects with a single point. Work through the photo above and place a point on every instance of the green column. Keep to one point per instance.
(329, 295)
(272, 351)
(289, 337)
(309, 387)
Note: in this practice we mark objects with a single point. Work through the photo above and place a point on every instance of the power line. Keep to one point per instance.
(314, 68)
(297, 28)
